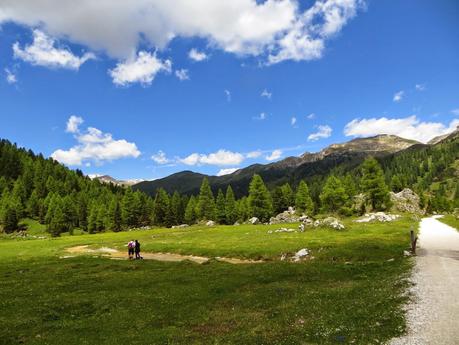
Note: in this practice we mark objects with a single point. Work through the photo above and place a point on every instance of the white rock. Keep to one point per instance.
(254, 221)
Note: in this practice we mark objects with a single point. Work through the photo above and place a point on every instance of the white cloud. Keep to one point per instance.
(196, 55)
(182, 74)
(420, 87)
(227, 171)
(455, 112)
(95, 146)
(42, 52)
(73, 124)
(277, 30)
(253, 154)
(219, 158)
(276, 154)
(293, 121)
(10, 76)
(266, 94)
(260, 117)
(160, 158)
(142, 69)
(323, 132)
(311, 116)
(398, 96)
(409, 127)
(228, 95)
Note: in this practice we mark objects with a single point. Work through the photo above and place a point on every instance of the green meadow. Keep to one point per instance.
(351, 289)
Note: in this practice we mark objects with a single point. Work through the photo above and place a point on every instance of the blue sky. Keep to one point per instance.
(108, 90)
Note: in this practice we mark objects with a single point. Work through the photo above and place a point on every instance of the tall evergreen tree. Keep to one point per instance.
(303, 201)
(230, 206)
(220, 208)
(259, 200)
(333, 196)
(374, 185)
(206, 202)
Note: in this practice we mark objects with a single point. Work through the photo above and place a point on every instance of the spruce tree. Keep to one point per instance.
(206, 203)
(333, 195)
(220, 208)
(303, 201)
(374, 186)
(259, 200)
(230, 206)
(190, 211)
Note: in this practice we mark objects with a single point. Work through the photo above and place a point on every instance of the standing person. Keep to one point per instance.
(137, 250)
(131, 247)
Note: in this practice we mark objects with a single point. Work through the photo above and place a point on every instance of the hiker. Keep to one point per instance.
(137, 250)
(131, 247)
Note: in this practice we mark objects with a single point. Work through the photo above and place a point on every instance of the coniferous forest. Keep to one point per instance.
(32, 186)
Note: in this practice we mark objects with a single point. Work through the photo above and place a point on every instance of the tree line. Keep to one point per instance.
(63, 199)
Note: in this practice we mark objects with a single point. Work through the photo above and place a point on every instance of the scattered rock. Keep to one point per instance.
(180, 226)
(406, 201)
(210, 223)
(301, 254)
(330, 222)
(288, 216)
(254, 221)
(378, 216)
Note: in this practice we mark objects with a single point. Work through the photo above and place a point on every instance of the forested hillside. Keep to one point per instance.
(63, 199)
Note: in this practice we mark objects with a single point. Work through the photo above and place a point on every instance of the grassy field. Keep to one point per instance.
(351, 292)
(450, 220)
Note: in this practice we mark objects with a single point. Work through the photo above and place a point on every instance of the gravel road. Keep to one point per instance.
(433, 318)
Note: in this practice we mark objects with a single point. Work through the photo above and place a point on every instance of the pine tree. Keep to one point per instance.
(374, 185)
(230, 206)
(161, 208)
(206, 202)
(190, 211)
(220, 208)
(259, 200)
(303, 201)
(333, 196)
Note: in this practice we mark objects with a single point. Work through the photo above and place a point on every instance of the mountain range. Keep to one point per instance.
(345, 156)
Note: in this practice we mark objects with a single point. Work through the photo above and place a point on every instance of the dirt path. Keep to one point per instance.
(433, 317)
(169, 257)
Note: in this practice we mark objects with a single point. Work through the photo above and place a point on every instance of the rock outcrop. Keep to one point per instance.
(406, 201)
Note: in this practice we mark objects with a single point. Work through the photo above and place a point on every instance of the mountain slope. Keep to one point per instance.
(291, 169)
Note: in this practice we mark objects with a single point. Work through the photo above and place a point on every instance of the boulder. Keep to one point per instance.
(254, 221)
(210, 223)
(301, 254)
(330, 222)
(377, 217)
(406, 201)
(288, 216)
(180, 226)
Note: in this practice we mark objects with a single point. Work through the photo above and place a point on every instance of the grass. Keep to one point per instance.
(352, 292)
(450, 220)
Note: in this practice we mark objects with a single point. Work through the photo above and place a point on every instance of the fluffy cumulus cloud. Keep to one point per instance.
(409, 127)
(94, 146)
(275, 155)
(160, 158)
(219, 158)
(73, 124)
(182, 74)
(142, 69)
(226, 171)
(43, 52)
(398, 96)
(197, 55)
(277, 30)
(323, 132)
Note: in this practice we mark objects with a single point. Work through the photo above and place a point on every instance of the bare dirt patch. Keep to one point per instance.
(167, 257)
